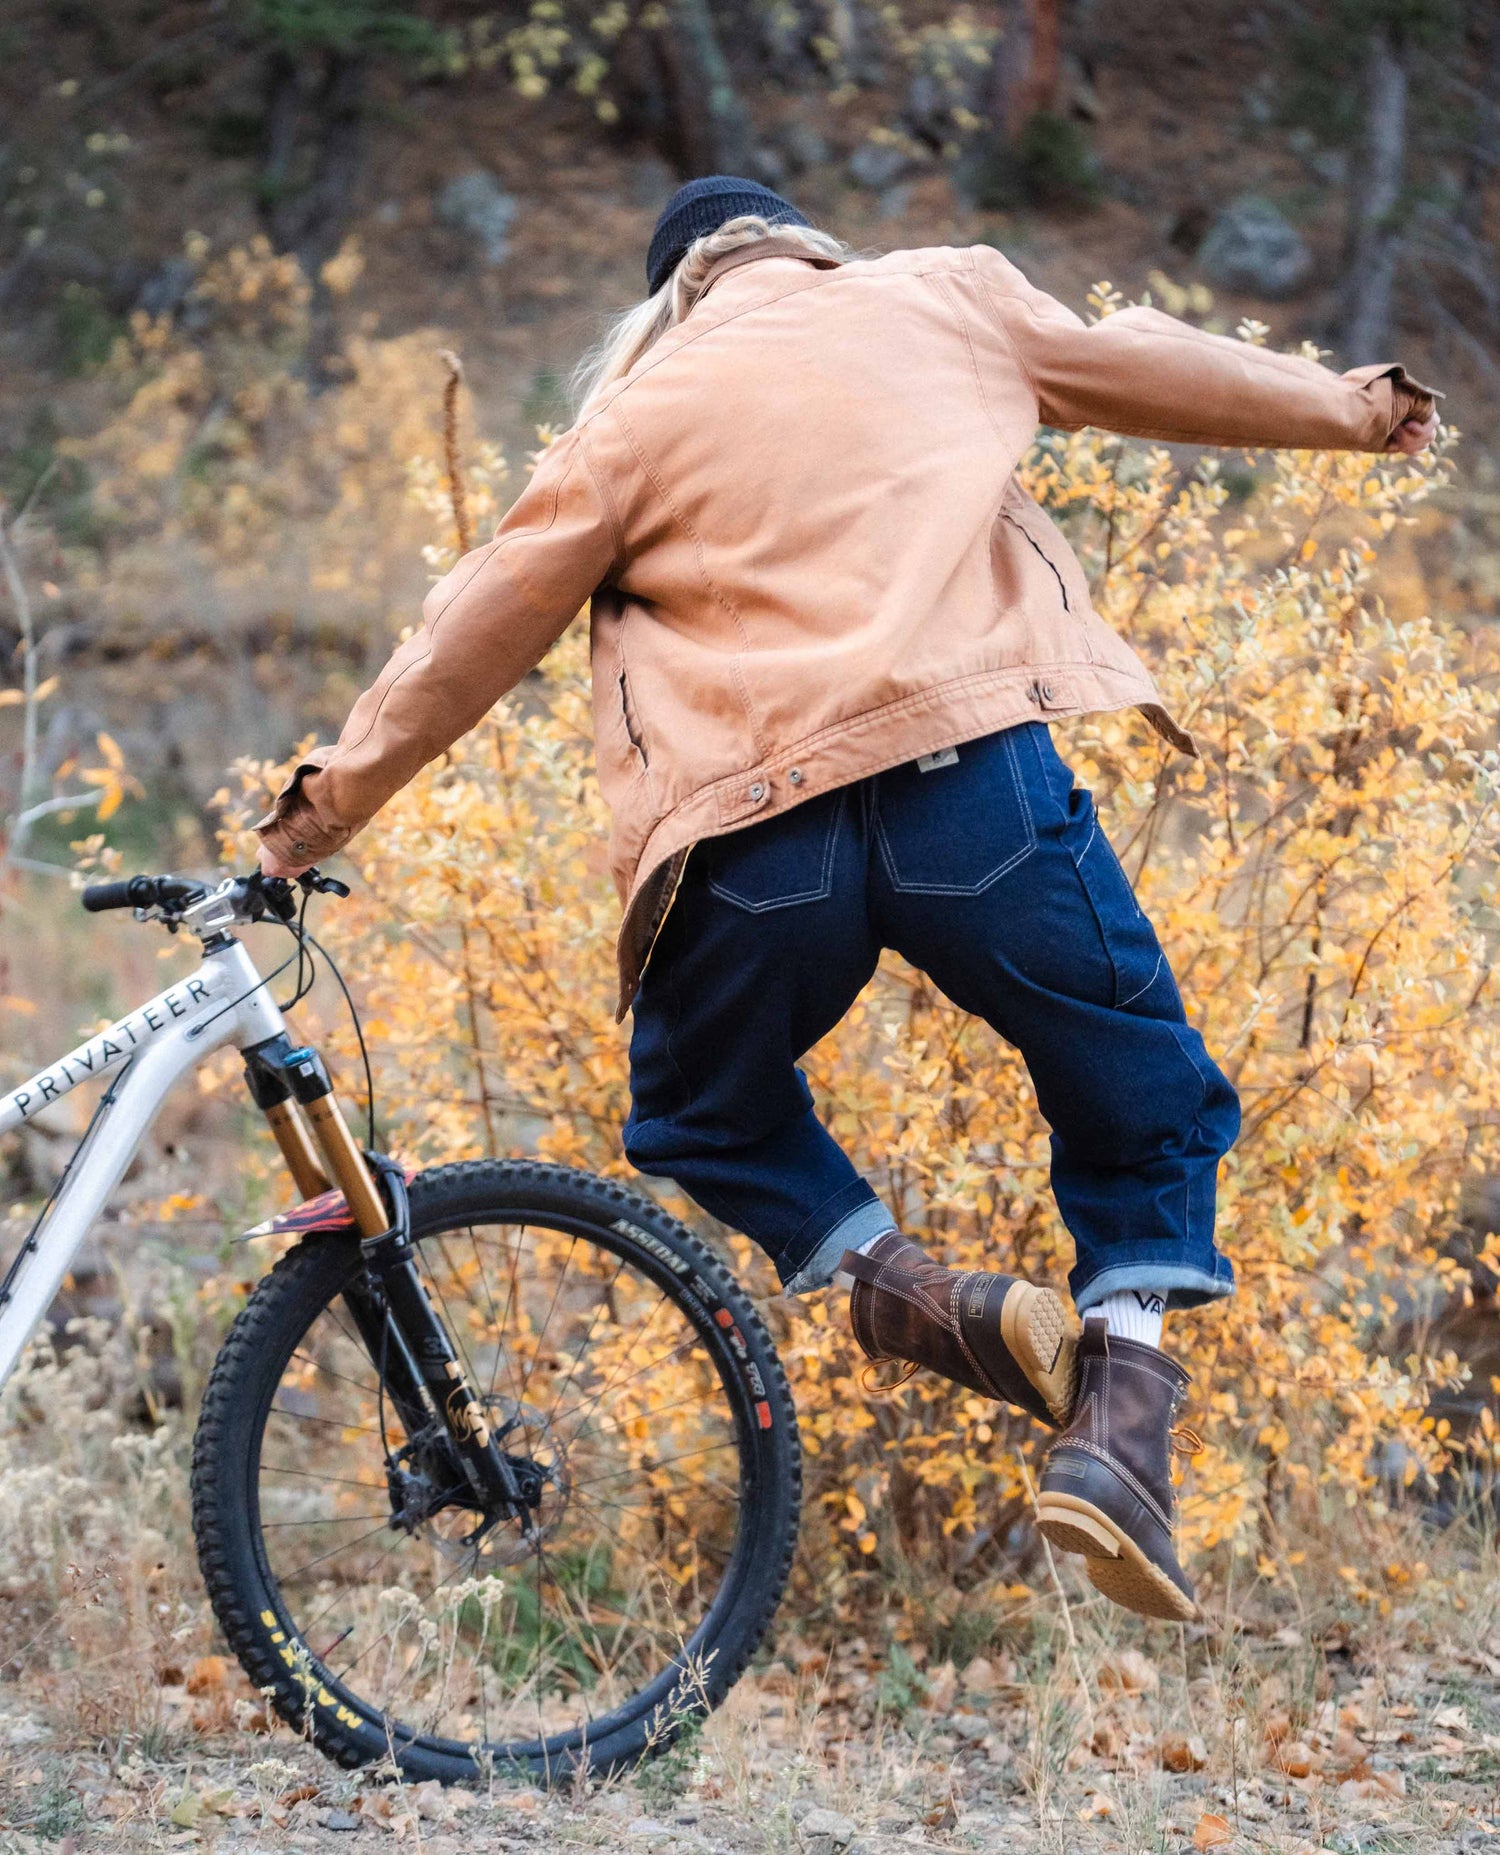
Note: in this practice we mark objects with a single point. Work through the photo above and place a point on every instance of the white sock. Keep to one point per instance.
(1134, 1314)
(840, 1280)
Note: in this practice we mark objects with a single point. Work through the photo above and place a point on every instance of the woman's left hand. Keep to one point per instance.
(1414, 434)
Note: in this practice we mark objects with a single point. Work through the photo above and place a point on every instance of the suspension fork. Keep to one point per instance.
(391, 1307)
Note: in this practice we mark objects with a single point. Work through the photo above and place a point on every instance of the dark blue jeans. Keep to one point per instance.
(992, 876)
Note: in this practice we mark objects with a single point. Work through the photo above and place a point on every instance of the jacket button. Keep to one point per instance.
(1042, 692)
(795, 776)
(757, 792)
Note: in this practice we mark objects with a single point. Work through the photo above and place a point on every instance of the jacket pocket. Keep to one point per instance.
(783, 862)
(1046, 542)
(957, 829)
(1031, 541)
(632, 725)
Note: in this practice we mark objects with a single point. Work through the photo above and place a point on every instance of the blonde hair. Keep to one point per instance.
(631, 334)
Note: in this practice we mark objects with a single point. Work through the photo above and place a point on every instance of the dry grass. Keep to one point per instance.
(1333, 1707)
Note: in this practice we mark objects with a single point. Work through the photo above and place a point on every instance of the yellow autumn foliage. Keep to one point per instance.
(1323, 881)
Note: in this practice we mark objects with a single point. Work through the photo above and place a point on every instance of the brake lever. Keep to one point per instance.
(314, 882)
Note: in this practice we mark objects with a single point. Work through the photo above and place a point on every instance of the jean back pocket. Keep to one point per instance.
(781, 862)
(959, 828)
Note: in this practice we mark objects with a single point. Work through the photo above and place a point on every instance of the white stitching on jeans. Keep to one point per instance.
(887, 854)
(1146, 987)
(825, 877)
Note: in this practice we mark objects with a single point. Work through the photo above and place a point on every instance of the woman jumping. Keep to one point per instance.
(829, 633)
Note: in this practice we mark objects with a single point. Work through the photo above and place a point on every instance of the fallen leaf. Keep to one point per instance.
(1178, 1753)
(187, 1809)
(1129, 1672)
(431, 1801)
(1213, 1832)
(1294, 1758)
(944, 1817)
(207, 1675)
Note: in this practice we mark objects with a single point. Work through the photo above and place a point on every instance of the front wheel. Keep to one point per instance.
(619, 1361)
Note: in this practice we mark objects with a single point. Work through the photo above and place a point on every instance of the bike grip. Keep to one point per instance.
(127, 893)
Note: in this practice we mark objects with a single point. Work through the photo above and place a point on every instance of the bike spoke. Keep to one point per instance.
(520, 1642)
(317, 1365)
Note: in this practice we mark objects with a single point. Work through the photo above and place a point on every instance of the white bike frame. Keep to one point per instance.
(226, 1001)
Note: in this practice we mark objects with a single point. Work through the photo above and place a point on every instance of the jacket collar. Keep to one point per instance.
(772, 247)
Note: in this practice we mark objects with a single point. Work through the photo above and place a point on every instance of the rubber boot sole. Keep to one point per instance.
(1043, 1341)
(1114, 1562)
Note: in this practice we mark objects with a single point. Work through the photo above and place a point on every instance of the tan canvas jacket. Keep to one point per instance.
(807, 555)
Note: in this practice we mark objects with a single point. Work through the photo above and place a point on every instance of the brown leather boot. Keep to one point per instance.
(1001, 1337)
(1106, 1487)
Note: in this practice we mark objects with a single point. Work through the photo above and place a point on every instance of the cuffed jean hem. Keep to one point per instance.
(1183, 1285)
(860, 1226)
(793, 1262)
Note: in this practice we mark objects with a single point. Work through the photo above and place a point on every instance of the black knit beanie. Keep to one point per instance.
(703, 206)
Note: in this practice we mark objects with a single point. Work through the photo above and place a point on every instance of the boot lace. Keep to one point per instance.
(872, 1388)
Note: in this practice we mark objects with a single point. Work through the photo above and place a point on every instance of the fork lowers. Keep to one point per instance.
(394, 1312)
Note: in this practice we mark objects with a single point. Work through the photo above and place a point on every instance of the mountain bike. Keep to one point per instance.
(497, 1469)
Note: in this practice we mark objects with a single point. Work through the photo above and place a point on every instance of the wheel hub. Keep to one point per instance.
(436, 1486)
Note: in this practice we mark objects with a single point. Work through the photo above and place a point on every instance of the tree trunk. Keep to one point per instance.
(1375, 231)
(708, 130)
(1027, 68)
(1483, 160)
(283, 105)
(330, 196)
(309, 217)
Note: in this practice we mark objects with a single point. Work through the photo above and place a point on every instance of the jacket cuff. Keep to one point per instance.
(294, 828)
(1408, 396)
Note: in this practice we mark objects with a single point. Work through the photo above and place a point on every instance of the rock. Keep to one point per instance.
(979, 1677)
(476, 205)
(165, 290)
(804, 147)
(339, 1819)
(824, 1831)
(1252, 246)
(647, 1830)
(878, 165)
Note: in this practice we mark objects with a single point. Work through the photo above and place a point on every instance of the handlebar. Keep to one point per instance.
(142, 892)
(256, 895)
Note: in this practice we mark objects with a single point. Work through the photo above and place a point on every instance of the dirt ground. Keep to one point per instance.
(1356, 1728)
